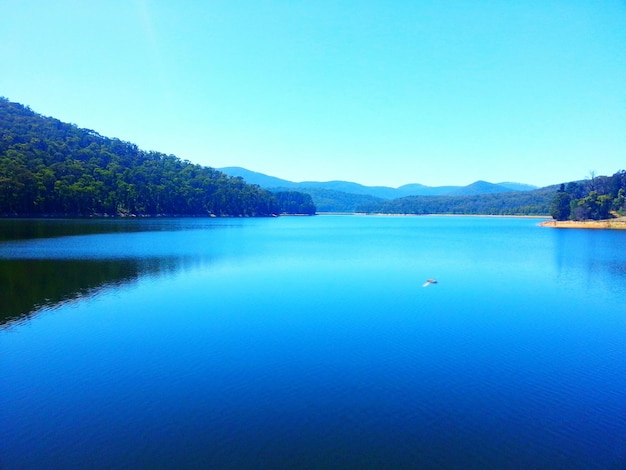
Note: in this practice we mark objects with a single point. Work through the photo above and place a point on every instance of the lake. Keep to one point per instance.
(310, 342)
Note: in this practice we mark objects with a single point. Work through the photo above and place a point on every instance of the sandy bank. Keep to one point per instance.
(619, 224)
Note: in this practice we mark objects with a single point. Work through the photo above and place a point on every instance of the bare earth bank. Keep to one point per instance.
(618, 223)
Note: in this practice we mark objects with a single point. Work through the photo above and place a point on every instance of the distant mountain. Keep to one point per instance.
(518, 186)
(383, 192)
(345, 196)
(479, 187)
(273, 183)
(421, 190)
(252, 177)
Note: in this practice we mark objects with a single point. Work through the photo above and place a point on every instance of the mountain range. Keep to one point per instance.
(382, 192)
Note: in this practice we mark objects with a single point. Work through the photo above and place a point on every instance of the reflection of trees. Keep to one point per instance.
(590, 254)
(29, 285)
(25, 229)
(54, 272)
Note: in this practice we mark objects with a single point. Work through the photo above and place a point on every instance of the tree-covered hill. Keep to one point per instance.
(48, 167)
(594, 199)
(327, 200)
(536, 202)
(345, 196)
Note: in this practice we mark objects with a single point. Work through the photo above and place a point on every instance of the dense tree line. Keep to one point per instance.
(597, 198)
(48, 167)
(328, 200)
(294, 202)
(536, 202)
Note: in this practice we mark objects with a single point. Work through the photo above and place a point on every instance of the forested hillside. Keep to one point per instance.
(48, 167)
(597, 198)
(327, 200)
(535, 202)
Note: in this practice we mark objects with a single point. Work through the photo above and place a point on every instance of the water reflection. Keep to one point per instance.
(310, 342)
(26, 229)
(30, 285)
(591, 254)
(44, 263)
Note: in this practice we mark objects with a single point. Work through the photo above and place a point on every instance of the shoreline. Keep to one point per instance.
(607, 224)
(436, 215)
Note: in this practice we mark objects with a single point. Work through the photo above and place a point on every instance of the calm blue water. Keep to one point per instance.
(311, 343)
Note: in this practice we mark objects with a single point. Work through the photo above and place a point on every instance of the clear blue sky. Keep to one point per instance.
(380, 92)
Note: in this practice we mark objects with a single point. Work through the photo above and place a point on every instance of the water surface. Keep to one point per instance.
(311, 343)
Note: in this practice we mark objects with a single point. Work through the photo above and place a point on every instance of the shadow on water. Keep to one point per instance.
(28, 286)
(47, 262)
(28, 229)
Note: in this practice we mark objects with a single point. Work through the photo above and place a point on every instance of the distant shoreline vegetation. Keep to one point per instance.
(594, 197)
(480, 197)
(599, 198)
(51, 168)
(524, 203)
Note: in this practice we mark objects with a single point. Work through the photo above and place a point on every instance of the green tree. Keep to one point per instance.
(50, 167)
(619, 203)
(293, 202)
(560, 207)
(594, 207)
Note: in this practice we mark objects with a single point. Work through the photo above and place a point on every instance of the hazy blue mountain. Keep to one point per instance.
(271, 182)
(252, 177)
(479, 187)
(518, 186)
(422, 190)
(383, 192)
